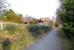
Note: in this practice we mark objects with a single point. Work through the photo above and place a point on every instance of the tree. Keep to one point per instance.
(66, 13)
(11, 16)
(2, 7)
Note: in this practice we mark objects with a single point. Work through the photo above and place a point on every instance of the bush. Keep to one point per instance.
(69, 31)
(37, 30)
(6, 44)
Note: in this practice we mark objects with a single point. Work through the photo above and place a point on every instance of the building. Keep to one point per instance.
(45, 21)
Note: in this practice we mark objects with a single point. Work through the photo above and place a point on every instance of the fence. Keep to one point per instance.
(3, 24)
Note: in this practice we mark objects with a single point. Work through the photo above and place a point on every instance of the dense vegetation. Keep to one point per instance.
(37, 30)
(66, 14)
(16, 36)
(11, 16)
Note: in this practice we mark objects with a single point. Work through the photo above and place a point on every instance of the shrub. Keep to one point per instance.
(37, 30)
(6, 44)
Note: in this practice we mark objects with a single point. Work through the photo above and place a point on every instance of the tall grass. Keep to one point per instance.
(21, 35)
(18, 36)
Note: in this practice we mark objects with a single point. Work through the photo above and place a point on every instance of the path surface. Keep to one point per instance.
(52, 41)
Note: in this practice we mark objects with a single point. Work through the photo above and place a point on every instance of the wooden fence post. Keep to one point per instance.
(1, 25)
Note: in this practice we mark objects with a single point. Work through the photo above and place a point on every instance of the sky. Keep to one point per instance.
(35, 8)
